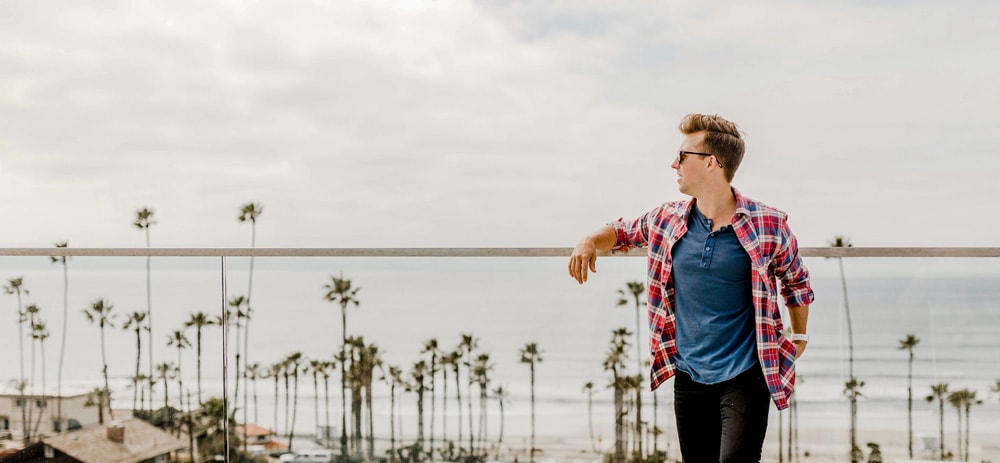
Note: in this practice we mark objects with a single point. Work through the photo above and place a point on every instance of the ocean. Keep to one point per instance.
(951, 305)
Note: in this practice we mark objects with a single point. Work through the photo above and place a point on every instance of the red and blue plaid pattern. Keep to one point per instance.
(774, 255)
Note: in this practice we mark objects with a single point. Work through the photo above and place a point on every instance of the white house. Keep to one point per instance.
(42, 410)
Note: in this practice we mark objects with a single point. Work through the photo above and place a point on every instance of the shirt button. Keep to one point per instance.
(708, 249)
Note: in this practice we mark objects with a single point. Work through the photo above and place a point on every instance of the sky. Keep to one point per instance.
(454, 123)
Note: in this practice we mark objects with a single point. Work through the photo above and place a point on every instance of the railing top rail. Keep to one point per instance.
(463, 252)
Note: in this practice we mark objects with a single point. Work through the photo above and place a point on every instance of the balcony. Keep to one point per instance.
(503, 299)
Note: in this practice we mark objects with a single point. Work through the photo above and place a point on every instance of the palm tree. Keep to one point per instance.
(956, 399)
(589, 387)
(431, 347)
(844, 242)
(180, 341)
(480, 371)
(65, 320)
(100, 313)
(371, 359)
(328, 366)
(16, 286)
(907, 344)
(96, 398)
(395, 378)
(852, 390)
(968, 400)
(237, 303)
(448, 360)
(636, 290)
(339, 290)
(455, 360)
(31, 315)
(199, 320)
(501, 395)
(316, 367)
(144, 220)
(418, 374)
(40, 333)
(134, 321)
(254, 373)
(468, 343)
(249, 213)
(615, 362)
(939, 391)
(531, 355)
(275, 371)
(167, 371)
(294, 361)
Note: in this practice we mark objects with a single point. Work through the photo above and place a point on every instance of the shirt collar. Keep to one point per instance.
(742, 206)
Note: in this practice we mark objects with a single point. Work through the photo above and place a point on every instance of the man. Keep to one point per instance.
(715, 263)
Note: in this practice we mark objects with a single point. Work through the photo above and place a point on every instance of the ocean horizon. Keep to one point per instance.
(950, 304)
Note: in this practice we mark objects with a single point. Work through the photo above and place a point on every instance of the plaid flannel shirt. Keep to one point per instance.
(774, 256)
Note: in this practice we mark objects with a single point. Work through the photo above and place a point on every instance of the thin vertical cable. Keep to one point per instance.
(225, 368)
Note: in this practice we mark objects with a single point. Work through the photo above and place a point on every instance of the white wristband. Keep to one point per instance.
(799, 337)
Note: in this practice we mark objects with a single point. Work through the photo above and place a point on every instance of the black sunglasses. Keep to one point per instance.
(683, 154)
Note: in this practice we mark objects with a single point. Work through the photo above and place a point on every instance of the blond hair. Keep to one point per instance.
(722, 139)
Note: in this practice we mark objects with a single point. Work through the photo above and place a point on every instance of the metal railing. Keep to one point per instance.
(464, 252)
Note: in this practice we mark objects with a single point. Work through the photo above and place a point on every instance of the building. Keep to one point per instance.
(126, 441)
(43, 410)
(259, 440)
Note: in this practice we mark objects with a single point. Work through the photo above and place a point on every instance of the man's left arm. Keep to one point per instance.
(795, 287)
(799, 318)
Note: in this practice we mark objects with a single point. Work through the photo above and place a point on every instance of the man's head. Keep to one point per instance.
(721, 139)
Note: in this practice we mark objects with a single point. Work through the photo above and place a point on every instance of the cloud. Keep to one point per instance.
(460, 123)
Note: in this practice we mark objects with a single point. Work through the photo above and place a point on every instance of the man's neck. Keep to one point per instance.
(717, 204)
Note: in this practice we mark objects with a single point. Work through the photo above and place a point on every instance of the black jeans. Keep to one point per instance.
(723, 422)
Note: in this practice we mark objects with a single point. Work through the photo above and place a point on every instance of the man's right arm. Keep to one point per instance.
(584, 256)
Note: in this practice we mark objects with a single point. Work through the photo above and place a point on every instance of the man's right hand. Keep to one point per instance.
(584, 257)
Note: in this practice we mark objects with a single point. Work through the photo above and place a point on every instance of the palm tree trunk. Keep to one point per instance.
(392, 421)
(531, 457)
(343, 381)
(619, 423)
(276, 388)
(468, 391)
(433, 401)
(371, 427)
(968, 407)
(958, 447)
(500, 439)
(326, 402)
(909, 404)
(236, 392)
(941, 426)
(316, 394)
(246, 336)
(38, 422)
(420, 415)
(62, 347)
(198, 347)
(295, 408)
(458, 395)
(138, 360)
(590, 417)
(287, 410)
(25, 428)
(107, 388)
(149, 318)
(444, 406)
(31, 389)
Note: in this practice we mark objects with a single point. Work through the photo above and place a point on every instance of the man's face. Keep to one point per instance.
(693, 170)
